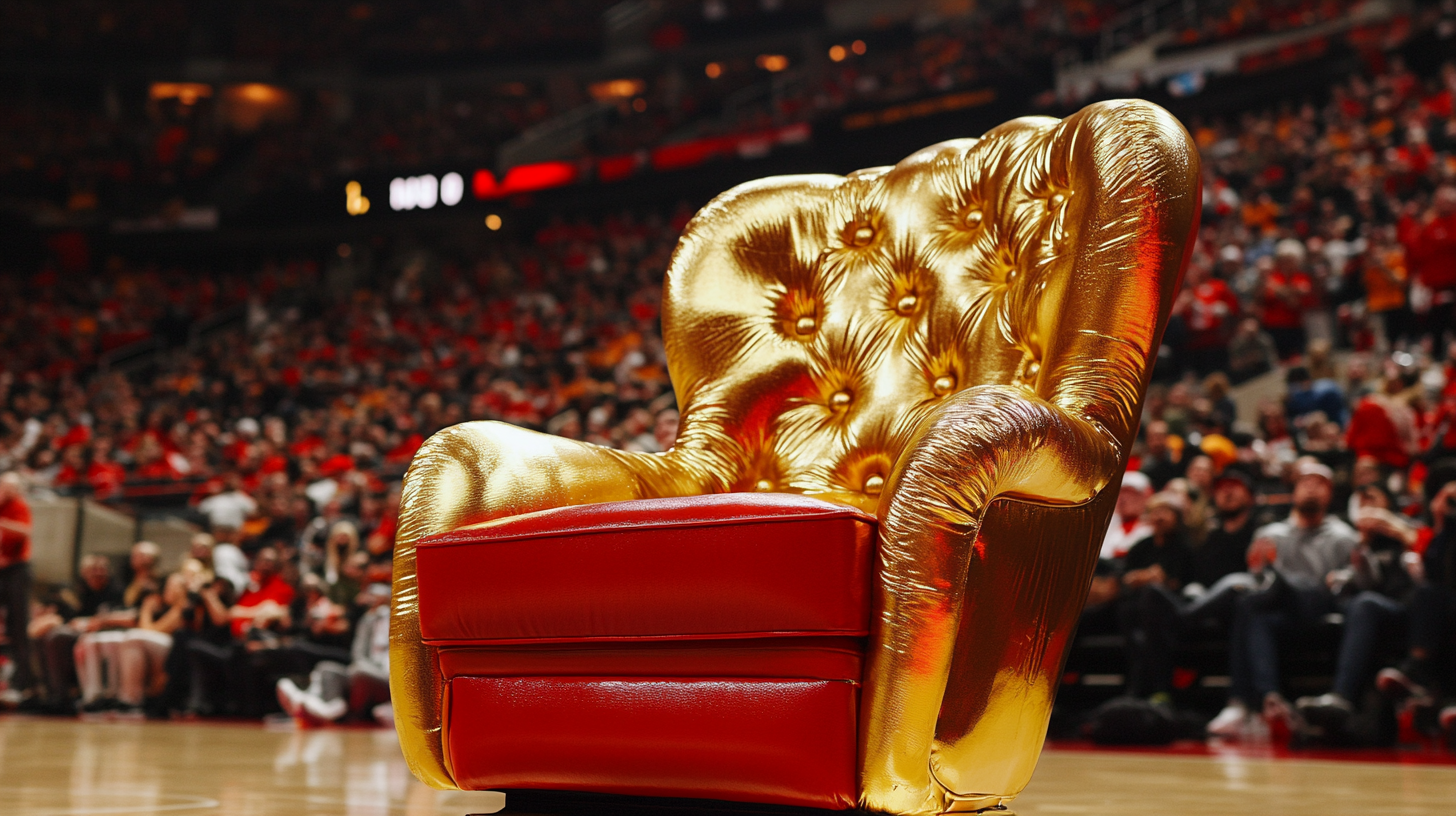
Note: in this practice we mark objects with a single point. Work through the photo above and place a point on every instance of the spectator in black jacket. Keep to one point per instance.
(57, 630)
(1197, 586)
(1162, 462)
(1226, 541)
(1384, 590)
(1432, 612)
(1156, 566)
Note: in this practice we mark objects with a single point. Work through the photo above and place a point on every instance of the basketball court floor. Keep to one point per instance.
(51, 767)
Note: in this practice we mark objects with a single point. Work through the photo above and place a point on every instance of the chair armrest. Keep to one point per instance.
(981, 445)
(474, 472)
(958, 689)
(998, 441)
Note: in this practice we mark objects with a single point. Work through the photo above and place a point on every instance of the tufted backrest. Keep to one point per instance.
(813, 321)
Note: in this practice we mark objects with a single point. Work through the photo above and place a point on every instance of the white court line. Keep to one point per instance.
(194, 803)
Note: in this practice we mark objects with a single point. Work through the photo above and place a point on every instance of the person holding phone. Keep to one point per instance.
(1380, 589)
(1292, 561)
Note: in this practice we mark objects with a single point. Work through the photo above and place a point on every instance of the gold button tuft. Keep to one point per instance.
(1056, 200)
(906, 304)
(973, 219)
(840, 400)
(943, 385)
(806, 325)
(763, 486)
(1033, 369)
(864, 235)
(874, 484)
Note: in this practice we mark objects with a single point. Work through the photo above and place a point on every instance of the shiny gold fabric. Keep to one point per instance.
(959, 343)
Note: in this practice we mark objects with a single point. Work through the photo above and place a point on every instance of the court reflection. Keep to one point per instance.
(69, 768)
(55, 767)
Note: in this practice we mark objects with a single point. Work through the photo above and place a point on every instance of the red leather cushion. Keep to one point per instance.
(723, 566)
(785, 741)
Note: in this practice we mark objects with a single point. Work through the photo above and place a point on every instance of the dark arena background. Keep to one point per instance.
(253, 255)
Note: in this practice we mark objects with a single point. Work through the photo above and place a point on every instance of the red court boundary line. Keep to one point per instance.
(1406, 755)
(1412, 755)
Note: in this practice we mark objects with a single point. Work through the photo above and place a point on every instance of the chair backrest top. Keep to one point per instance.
(812, 322)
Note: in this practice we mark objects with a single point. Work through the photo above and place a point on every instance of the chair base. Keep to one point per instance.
(996, 810)
(579, 803)
(990, 804)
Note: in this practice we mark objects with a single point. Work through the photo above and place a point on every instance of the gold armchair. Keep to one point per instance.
(958, 345)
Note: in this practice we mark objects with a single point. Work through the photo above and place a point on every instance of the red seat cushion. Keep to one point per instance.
(785, 741)
(765, 720)
(724, 566)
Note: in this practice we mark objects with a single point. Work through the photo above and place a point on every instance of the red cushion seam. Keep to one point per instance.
(465, 537)
(445, 642)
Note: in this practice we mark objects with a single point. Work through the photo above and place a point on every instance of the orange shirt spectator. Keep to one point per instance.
(1384, 276)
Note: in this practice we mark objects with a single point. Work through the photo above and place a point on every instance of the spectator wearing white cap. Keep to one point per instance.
(1128, 525)
(1295, 560)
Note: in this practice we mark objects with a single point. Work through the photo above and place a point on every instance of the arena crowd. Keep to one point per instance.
(1324, 277)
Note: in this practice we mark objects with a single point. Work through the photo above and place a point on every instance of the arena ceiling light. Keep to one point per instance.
(773, 63)
(250, 105)
(259, 93)
(186, 93)
(354, 201)
(616, 89)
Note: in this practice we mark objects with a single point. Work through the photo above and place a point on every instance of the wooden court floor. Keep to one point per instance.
(53, 767)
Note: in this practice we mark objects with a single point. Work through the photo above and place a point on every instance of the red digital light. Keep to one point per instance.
(523, 179)
(690, 154)
(483, 185)
(616, 168)
(529, 177)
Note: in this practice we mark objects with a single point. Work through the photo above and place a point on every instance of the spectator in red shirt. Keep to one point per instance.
(1288, 293)
(152, 462)
(104, 475)
(1441, 427)
(73, 467)
(266, 599)
(15, 580)
(1430, 247)
(1210, 309)
(1383, 426)
(14, 522)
